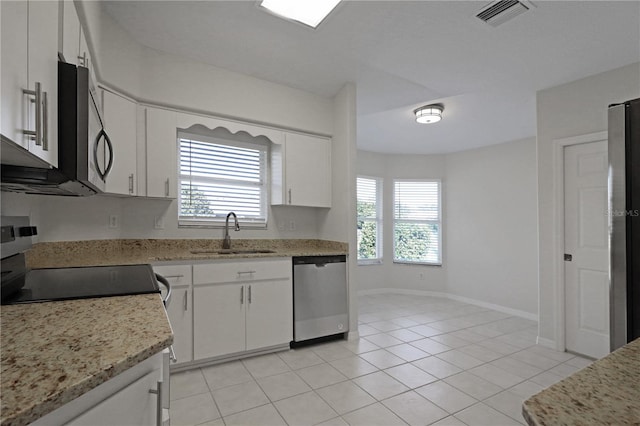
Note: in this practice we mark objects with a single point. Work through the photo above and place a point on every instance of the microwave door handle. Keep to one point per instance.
(101, 134)
(110, 146)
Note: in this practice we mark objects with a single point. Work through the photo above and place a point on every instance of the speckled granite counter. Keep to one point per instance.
(606, 392)
(129, 252)
(54, 352)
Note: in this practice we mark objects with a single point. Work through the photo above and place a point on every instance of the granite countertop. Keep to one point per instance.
(138, 251)
(54, 352)
(605, 392)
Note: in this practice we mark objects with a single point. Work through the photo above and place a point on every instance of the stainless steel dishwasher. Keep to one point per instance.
(320, 304)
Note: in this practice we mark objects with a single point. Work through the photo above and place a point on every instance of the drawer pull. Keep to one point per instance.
(174, 276)
(246, 272)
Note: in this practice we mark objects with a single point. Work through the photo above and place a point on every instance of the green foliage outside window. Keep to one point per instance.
(367, 230)
(194, 202)
(417, 242)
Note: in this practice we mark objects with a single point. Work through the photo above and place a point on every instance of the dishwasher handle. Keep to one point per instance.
(319, 261)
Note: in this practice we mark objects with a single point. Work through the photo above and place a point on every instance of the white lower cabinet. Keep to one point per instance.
(180, 309)
(241, 306)
(219, 320)
(133, 405)
(136, 397)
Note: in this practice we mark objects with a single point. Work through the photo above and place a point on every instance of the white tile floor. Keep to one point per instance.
(419, 361)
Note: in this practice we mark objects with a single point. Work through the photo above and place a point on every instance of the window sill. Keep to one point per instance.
(368, 262)
(406, 262)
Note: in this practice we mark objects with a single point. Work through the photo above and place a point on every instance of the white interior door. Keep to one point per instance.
(586, 240)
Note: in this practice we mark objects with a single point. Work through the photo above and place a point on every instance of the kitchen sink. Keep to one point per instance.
(232, 251)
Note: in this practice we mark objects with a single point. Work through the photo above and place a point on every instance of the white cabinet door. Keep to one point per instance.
(161, 153)
(13, 40)
(84, 56)
(302, 171)
(70, 32)
(180, 314)
(179, 308)
(43, 68)
(218, 320)
(269, 313)
(120, 123)
(134, 405)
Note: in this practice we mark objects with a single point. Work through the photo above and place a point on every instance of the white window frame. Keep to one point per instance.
(378, 220)
(218, 221)
(438, 222)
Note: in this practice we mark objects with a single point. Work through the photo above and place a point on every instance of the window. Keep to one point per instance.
(369, 206)
(218, 176)
(417, 230)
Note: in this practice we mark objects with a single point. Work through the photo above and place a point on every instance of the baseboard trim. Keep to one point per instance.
(548, 343)
(499, 308)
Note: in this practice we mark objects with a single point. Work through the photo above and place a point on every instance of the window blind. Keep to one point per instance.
(218, 177)
(417, 221)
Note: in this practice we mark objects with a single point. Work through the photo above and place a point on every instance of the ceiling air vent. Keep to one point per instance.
(501, 11)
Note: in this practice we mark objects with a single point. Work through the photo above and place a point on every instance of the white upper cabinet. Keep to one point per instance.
(43, 69)
(160, 142)
(14, 71)
(30, 76)
(70, 32)
(301, 171)
(119, 118)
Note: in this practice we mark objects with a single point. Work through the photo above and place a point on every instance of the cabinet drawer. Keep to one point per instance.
(177, 275)
(241, 271)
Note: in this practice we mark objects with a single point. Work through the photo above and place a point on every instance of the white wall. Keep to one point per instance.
(339, 222)
(491, 225)
(389, 274)
(572, 109)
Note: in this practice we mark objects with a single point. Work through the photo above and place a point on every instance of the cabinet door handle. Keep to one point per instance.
(131, 184)
(83, 60)
(37, 93)
(289, 195)
(158, 393)
(249, 294)
(45, 122)
(242, 295)
(166, 188)
(185, 304)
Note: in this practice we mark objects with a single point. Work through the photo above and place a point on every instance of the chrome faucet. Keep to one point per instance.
(226, 244)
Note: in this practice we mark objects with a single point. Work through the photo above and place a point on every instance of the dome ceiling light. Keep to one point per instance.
(429, 113)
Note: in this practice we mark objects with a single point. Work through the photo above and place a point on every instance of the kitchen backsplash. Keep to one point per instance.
(105, 217)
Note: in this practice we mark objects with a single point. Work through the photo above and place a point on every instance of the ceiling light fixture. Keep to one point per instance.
(308, 12)
(429, 113)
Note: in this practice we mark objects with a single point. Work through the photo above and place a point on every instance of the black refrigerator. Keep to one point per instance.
(624, 222)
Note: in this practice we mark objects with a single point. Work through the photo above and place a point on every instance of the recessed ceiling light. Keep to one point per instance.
(429, 114)
(308, 12)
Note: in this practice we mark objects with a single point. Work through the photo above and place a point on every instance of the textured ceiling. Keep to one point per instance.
(404, 54)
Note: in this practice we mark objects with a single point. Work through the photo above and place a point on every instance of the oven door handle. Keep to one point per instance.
(165, 282)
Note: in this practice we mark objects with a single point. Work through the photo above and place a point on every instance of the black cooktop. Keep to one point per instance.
(44, 285)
